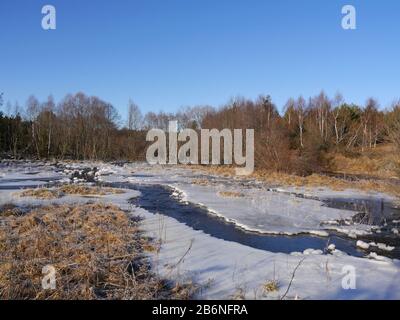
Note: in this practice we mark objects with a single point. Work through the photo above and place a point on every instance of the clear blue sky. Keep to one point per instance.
(170, 53)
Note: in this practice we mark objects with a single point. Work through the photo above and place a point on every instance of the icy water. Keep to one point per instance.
(16, 184)
(159, 199)
(371, 211)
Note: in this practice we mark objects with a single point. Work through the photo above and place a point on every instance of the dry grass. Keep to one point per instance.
(76, 189)
(314, 180)
(382, 162)
(231, 194)
(69, 189)
(201, 182)
(96, 250)
(270, 286)
(9, 209)
(41, 193)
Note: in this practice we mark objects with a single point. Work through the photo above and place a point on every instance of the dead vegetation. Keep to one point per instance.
(271, 286)
(201, 182)
(381, 162)
(231, 194)
(76, 189)
(9, 209)
(313, 180)
(69, 189)
(41, 193)
(96, 250)
(338, 184)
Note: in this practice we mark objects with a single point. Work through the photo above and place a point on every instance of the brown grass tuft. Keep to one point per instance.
(271, 286)
(75, 189)
(231, 194)
(96, 250)
(41, 193)
(70, 189)
(201, 182)
(9, 209)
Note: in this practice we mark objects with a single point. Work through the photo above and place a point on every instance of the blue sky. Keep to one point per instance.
(165, 54)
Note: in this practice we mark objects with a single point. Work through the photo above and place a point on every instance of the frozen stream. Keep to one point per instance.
(160, 200)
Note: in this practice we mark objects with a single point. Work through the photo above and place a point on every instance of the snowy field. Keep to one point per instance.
(228, 269)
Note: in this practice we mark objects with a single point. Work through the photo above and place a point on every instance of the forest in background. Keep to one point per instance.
(301, 139)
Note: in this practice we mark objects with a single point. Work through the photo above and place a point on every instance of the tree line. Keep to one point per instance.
(298, 139)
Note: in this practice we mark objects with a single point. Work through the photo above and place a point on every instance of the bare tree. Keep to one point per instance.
(46, 123)
(322, 106)
(289, 110)
(16, 134)
(337, 103)
(300, 141)
(135, 118)
(32, 111)
(392, 124)
(370, 124)
(192, 117)
(300, 110)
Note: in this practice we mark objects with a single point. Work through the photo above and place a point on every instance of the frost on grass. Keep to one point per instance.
(96, 250)
(69, 189)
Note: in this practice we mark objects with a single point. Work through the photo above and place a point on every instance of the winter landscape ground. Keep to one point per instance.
(229, 238)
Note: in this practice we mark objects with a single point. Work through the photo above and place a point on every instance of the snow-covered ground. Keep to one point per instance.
(228, 269)
(260, 208)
